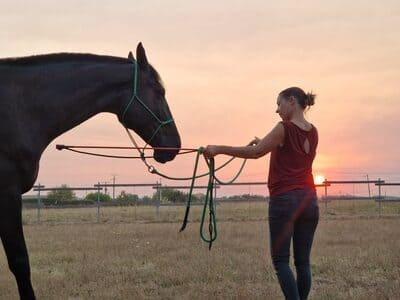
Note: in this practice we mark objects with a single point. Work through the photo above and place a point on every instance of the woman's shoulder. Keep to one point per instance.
(303, 127)
(293, 127)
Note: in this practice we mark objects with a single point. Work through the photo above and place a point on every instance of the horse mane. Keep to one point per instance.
(61, 57)
(55, 58)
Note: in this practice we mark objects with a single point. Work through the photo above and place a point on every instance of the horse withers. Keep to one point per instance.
(42, 97)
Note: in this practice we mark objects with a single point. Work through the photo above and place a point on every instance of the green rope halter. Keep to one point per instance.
(136, 97)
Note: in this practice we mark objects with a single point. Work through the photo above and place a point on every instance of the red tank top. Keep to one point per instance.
(290, 166)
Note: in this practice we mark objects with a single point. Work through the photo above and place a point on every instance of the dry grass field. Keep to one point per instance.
(131, 255)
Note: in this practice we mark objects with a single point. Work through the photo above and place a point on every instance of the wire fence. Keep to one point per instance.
(249, 206)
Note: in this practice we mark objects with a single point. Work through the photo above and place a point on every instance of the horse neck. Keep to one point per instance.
(77, 94)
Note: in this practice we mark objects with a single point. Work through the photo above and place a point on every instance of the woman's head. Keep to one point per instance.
(291, 99)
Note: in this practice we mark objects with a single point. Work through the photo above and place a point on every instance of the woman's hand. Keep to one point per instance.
(210, 151)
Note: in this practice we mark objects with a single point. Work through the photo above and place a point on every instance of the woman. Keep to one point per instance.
(293, 208)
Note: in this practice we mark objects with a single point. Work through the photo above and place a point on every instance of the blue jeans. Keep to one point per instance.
(293, 215)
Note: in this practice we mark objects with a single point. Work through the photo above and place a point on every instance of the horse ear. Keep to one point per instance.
(141, 56)
(130, 56)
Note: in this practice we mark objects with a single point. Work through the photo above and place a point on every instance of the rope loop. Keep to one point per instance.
(209, 202)
(151, 169)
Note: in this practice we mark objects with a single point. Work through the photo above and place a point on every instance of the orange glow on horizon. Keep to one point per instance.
(319, 179)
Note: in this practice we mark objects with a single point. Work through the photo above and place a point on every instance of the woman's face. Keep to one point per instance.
(285, 107)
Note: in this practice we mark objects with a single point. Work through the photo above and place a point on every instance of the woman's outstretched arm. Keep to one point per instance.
(256, 148)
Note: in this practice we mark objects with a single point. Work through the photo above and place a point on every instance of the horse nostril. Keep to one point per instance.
(163, 156)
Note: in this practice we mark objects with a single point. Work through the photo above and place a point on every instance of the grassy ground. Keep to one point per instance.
(355, 255)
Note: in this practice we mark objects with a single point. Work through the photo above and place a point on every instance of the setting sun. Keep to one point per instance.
(319, 179)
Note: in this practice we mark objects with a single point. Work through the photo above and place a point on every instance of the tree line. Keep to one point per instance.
(65, 196)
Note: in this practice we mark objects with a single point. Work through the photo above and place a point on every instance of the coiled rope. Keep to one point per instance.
(209, 201)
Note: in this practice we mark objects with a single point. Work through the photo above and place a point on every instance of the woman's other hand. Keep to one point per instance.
(210, 151)
(254, 141)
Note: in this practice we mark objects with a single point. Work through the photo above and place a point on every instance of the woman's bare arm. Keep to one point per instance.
(257, 148)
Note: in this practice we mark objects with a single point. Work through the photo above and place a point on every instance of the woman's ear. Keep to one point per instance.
(292, 100)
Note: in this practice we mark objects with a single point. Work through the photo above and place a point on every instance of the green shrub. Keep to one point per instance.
(93, 197)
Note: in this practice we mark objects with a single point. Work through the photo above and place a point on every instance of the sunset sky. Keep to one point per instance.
(223, 64)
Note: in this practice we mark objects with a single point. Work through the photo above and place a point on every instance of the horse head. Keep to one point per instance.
(147, 112)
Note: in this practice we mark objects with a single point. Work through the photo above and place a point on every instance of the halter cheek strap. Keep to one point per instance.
(136, 97)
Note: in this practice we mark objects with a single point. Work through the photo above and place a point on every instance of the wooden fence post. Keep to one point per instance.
(98, 202)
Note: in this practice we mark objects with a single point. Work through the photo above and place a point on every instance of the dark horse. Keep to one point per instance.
(42, 97)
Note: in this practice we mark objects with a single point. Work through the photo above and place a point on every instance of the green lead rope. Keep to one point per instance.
(212, 225)
(196, 163)
(209, 199)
